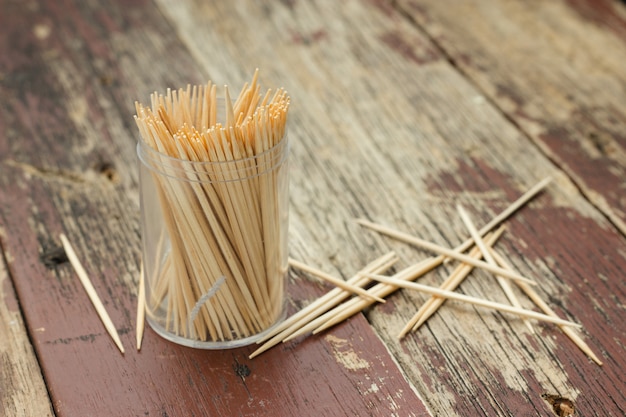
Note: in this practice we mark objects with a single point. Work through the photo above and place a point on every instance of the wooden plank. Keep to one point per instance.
(68, 165)
(23, 392)
(554, 68)
(401, 140)
(382, 127)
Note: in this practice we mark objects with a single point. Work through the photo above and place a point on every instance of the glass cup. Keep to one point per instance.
(214, 238)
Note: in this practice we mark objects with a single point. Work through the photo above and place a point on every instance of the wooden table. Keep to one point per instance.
(400, 111)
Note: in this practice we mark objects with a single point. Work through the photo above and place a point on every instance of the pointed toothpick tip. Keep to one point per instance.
(141, 308)
(91, 292)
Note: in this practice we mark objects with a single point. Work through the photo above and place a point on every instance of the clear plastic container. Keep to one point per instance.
(214, 246)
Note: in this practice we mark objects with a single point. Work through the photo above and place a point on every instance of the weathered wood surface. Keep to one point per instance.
(383, 126)
(22, 389)
(556, 69)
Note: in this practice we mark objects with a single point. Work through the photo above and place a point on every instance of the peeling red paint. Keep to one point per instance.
(587, 279)
(473, 175)
(420, 54)
(386, 7)
(310, 38)
(590, 145)
(602, 13)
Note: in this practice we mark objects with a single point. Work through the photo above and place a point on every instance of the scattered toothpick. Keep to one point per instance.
(316, 319)
(141, 308)
(300, 322)
(472, 300)
(355, 305)
(335, 281)
(505, 214)
(450, 253)
(504, 284)
(454, 280)
(530, 292)
(91, 292)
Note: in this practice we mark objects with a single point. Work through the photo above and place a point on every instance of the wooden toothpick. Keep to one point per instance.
(512, 208)
(454, 280)
(91, 292)
(530, 292)
(141, 308)
(472, 300)
(354, 305)
(346, 286)
(504, 284)
(229, 206)
(447, 252)
(300, 321)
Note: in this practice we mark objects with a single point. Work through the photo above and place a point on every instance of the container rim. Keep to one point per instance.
(145, 151)
(251, 166)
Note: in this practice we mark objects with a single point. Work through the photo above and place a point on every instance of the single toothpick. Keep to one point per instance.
(472, 300)
(450, 253)
(91, 292)
(504, 284)
(141, 308)
(454, 280)
(335, 281)
(530, 292)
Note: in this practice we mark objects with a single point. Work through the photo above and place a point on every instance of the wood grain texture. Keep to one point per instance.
(71, 72)
(23, 392)
(385, 124)
(556, 69)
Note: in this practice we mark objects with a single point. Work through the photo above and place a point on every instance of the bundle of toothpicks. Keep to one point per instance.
(343, 302)
(216, 281)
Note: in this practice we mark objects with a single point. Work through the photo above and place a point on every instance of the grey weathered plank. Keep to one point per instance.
(23, 392)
